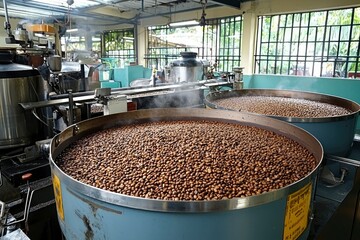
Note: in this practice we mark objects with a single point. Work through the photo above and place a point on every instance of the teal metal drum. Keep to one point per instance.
(86, 212)
(335, 133)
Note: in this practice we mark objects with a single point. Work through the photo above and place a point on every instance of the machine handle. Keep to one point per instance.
(327, 176)
(29, 194)
(26, 176)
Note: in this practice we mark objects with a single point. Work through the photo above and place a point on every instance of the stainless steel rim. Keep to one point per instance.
(324, 98)
(74, 132)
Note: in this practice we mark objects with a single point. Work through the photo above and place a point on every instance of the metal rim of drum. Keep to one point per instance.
(74, 132)
(322, 98)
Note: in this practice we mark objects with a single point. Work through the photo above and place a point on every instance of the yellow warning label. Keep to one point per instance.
(58, 197)
(297, 213)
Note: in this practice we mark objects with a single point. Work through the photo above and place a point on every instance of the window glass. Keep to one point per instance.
(322, 43)
(119, 46)
(219, 42)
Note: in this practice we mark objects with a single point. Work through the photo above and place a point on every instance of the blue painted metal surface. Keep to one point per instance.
(342, 87)
(336, 134)
(88, 218)
(335, 137)
(86, 212)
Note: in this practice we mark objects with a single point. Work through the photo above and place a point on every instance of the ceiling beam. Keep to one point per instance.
(60, 12)
(231, 3)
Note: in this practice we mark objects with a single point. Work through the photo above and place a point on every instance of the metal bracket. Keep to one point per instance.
(328, 177)
(2, 209)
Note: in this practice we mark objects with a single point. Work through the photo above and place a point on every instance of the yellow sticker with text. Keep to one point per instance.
(297, 213)
(58, 197)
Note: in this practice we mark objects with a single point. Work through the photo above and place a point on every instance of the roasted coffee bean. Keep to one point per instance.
(281, 106)
(187, 160)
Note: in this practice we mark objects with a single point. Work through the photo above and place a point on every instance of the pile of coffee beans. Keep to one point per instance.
(187, 160)
(281, 106)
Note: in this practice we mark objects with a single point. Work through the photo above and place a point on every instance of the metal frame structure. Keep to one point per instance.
(96, 10)
(310, 42)
(120, 38)
(221, 44)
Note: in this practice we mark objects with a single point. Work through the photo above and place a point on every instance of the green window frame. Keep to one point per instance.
(218, 41)
(120, 45)
(318, 43)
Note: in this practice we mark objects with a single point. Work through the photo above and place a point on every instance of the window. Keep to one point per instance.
(324, 43)
(120, 45)
(77, 46)
(219, 41)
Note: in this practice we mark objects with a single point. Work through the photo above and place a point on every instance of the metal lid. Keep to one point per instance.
(188, 54)
(14, 70)
(188, 60)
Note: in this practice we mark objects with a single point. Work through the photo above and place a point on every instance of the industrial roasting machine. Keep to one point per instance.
(45, 105)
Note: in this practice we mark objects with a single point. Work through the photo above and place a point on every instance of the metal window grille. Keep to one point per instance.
(75, 46)
(120, 45)
(219, 41)
(321, 43)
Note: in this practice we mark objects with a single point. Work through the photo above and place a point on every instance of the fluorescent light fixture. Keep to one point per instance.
(96, 39)
(72, 30)
(185, 23)
(128, 38)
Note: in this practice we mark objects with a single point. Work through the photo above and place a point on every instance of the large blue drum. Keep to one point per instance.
(335, 133)
(86, 212)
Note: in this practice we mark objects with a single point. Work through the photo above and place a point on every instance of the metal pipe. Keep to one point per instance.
(90, 97)
(7, 22)
(136, 43)
(82, 71)
(71, 107)
(91, 93)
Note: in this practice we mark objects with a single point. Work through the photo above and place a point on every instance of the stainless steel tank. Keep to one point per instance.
(336, 133)
(18, 84)
(187, 68)
(86, 212)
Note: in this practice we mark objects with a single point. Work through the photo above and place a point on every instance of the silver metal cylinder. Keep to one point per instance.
(18, 84)
(186, 69)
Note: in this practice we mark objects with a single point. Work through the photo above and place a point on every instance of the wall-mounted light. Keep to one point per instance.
(184, 23)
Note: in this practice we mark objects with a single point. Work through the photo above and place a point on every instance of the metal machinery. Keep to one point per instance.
(186, 69)
(40, 99)
(23, 167)
(335, 209)
(26, 193)
(41, 96)
(30, 200)
(88, 212)
(337, 196)
(39, 102)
